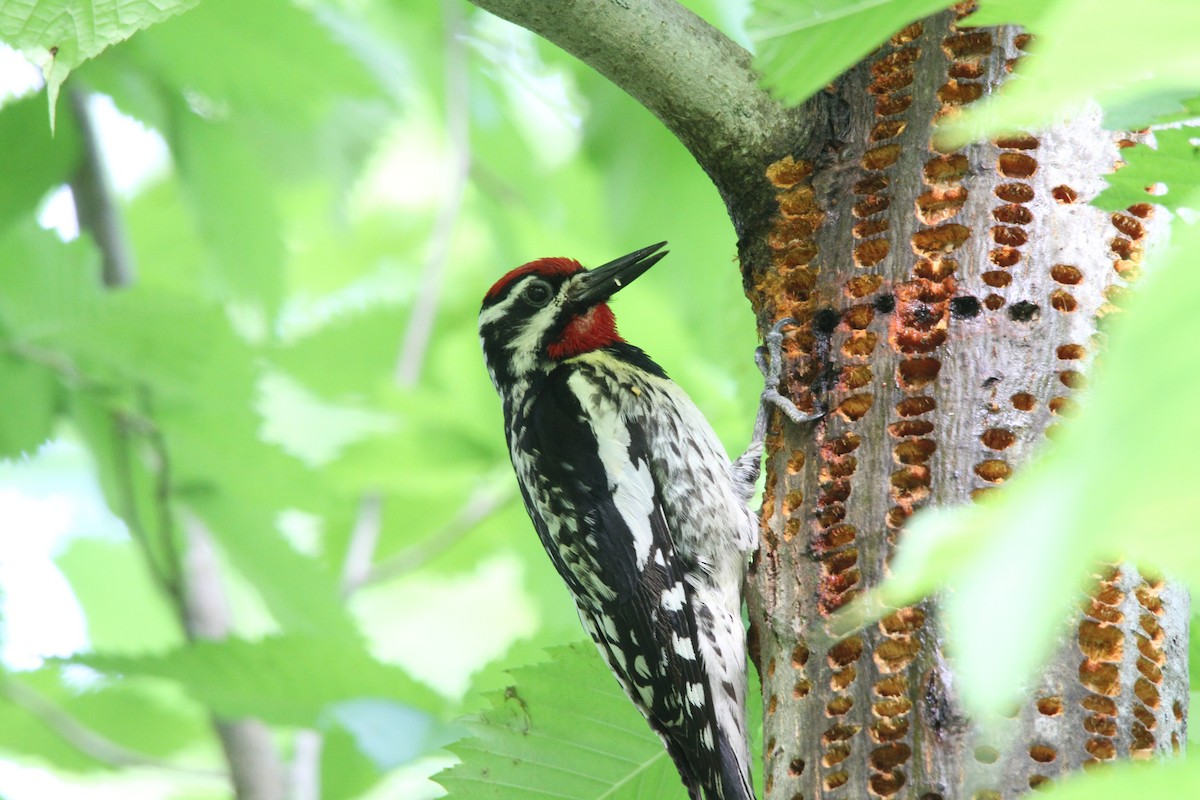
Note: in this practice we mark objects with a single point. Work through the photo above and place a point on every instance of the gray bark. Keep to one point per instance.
(999, 271)
(947, 304)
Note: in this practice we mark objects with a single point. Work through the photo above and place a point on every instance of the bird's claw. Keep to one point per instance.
(769, 359)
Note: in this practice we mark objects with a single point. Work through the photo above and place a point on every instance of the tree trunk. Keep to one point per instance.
(947, 306)
(948, 303)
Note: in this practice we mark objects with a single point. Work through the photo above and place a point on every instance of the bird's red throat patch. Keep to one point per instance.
(592, 330)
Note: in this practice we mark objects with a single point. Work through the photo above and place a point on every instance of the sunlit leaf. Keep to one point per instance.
(353, 354)
(268, 56)
(801, 46)
(124, 610)
(284, 680)
(1174, 161)
(563, 730)
(59, 35)
(233, 202)
(29, 395)
(36, 160)
(1073, 60)
(1171, 778)
(145, 719)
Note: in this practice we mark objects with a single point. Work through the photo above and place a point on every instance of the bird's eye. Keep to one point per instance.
(537, 294)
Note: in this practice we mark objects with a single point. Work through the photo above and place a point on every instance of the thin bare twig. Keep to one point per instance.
(95, 207)
(165, 575)
(86, 740)
(162, 494)
(363, 540)
(457, 88)
(482, 503)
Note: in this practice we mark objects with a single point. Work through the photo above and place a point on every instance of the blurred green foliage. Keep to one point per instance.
(344, 180)
(246, 381)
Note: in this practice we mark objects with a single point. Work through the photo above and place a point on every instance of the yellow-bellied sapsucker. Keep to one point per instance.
(636, 503)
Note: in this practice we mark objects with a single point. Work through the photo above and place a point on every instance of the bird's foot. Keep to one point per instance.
(769, 358)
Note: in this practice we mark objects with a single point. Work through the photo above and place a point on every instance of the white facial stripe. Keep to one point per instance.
(524, 346)
(490, 315)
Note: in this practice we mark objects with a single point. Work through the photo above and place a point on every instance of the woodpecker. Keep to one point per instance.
(636, 503)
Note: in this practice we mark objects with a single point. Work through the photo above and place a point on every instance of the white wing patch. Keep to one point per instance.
(641, 667)
(683, 647)
(673, 598)
(632, 487)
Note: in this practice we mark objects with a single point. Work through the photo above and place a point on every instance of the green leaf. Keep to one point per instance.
(50, 287)
(24, 733)
(1027, 13)
(171, 255)
(144, 716)
(308, 428)
(29, 402)
(563, 730)
(299, 591)
(36, 161)
(801, 46)
(59, 35)
(491, 606)
(124, 609)
(283, 680)
(1135, 435)
(1194, 660)
(1174, 161)
(1168, 778)
(150, 719)
(1073, 60)
(175, 360)
(269, 57)
(346, 772)
(352, 355)
(234, 203)
(1153, 108)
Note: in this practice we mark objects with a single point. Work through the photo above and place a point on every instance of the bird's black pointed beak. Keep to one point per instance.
(604, 281)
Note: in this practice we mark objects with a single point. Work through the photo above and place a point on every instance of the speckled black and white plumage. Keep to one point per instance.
(639, 509)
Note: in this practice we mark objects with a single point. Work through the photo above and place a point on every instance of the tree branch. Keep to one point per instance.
(458, 133)
(95, 207)
(363, 539)
(482, 503)
(163, 568)
(696, 80)
(83, 738)
(254, 765)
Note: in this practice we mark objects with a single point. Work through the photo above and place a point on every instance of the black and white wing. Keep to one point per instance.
(585, 472)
